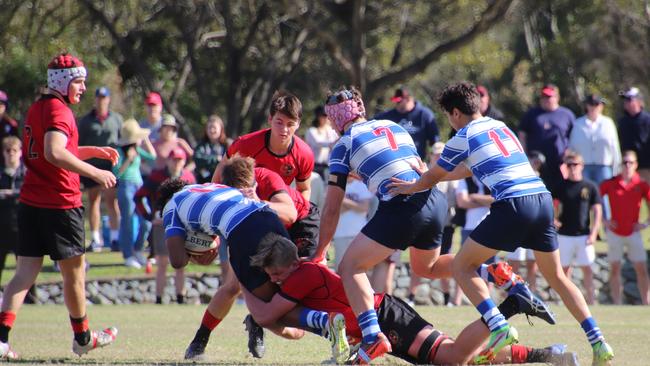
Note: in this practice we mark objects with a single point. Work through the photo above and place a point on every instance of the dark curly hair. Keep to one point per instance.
(462, 96)
(167, 190)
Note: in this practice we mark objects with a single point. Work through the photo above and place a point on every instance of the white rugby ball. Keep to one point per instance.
(197, 242)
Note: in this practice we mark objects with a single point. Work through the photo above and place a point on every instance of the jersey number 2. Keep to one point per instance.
(30, 147)
(494, 136)
(383, 130)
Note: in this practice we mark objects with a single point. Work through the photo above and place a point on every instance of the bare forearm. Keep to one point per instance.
(64, 159)
(328, 223)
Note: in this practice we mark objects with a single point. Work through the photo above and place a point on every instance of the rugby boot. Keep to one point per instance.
(338, 338)
(255, 337)
(368, 352)
(196, 350)
(603, 354)
(560, 357)
(498, 339)
(98, 339)
(530, 304)
(6, 353)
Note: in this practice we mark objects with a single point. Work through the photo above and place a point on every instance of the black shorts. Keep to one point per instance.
(243, 242)
(415, 220)
(99, 164)
(400, 323)
(58, 233)
(447, 239)
(304, 232)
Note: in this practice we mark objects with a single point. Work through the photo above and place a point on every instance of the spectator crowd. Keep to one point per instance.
(597, 170)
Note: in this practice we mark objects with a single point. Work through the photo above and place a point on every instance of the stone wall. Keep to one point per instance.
(200, 288)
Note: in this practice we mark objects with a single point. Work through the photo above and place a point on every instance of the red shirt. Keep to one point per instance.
(269, 184)
(625, 201)
(315, 286)
(297, 163)
(47, 185)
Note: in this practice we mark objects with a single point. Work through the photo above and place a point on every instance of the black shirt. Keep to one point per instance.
(576, 199)
(634, 134)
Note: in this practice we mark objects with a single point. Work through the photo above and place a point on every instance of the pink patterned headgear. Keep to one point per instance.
(341, 108)
(62, 70)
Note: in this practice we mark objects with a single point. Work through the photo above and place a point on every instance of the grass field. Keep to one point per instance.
(150, 334)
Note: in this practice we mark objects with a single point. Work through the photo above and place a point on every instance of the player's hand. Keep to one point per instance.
(107, 153)
(420, 168)
(104, 178)
(206, 258)
(249, 193)
(591, 239)
(610, 225)
(639, 226)
(399, 186)
(557, 223)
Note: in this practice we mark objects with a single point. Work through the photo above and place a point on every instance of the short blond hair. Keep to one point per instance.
(11, 141)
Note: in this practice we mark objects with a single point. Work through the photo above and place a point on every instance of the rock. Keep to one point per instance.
(211, 282)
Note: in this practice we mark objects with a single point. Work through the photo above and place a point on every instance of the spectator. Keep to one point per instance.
(50, 218)
(153, 120)
(12, 173)
(634, 130)
(624, 193)
(101, 127)
(209, 152)
(521, 255)
(475, 198)
(168, 140)
(8, 125)
(320, 137)
(546, 129)
(487, 109)
(595, 138)
(578, 199)
(415, 118)
(354, 215)
(134, 147)
(147, 208)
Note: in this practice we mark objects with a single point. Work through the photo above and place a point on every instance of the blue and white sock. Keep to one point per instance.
(594, 335)
(314, 321)
(369, 326)
(492, 316)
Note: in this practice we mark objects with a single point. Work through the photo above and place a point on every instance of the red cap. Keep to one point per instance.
(177, 153)
(482, 90)
(549, 90)
(153, 98)
(400, 94)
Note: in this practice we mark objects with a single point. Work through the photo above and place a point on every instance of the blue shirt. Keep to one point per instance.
(420, 123)
(494, 155)
(214, 209)
(548, 132)
(376, 151)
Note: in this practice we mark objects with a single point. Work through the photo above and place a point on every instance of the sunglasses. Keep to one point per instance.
(573, 164)
(629, 162)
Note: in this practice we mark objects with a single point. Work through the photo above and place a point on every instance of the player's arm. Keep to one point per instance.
(178, 257)
(597, 210)
(283, 206)
(460, 172)
(99, 152)
(57, 155)
(330, 214)
(268, 312)
(464, 201)
(427, 180)
(304, 188)
(216, 177)
(481, 200)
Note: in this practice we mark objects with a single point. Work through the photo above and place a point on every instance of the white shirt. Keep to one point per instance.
(350, 221)
(473, 216)
(596, 141)
(321, 143)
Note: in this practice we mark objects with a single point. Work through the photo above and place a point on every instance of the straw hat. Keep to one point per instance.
(131, 132)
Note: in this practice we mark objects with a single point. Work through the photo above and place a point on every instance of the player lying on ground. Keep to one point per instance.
(216, 209)
(412, 338)
(521, 215)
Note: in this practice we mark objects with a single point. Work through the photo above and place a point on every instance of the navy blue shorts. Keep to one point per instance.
(416, 220)
(525, 222)
(243, 242)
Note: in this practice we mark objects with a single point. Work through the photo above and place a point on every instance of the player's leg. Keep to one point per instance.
(531, 270)
(179, 285)
(638, 256)
(615, 248)
(110, 200)
(585, 257)
(162, 262)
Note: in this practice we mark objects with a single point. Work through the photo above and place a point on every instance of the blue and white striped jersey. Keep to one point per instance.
(375, 150)
(494, 155)
(214, 209)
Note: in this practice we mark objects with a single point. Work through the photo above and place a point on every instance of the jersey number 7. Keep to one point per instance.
(383, 130)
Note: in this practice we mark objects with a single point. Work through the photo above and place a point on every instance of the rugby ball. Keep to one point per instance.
(197, 243)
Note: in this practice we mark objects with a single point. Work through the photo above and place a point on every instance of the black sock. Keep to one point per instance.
(4, 333)
(509, 307)
(158, 299)
(202, 335)
(446, 296)
(539, 355)
(180, 298)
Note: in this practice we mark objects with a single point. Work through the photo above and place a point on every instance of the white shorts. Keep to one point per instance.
(574, 250)
(520, 255)
(341, 244)
(635, 250)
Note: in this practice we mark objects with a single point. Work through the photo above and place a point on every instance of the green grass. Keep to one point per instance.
(151, 334)
(102, 265)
